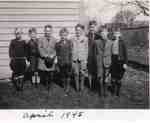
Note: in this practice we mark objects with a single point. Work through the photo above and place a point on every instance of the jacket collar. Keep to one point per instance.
(80, 39)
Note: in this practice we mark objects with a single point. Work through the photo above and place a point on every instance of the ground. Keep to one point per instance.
(134, 95)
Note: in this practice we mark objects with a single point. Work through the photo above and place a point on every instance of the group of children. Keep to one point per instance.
(97, 56)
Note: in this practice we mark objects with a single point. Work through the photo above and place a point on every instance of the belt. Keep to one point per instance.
(76, 61)
(45, 57)
(42, 57)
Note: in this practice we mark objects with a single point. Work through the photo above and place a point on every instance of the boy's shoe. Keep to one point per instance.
(65, 95)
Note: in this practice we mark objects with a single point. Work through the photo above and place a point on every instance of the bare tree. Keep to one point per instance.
(126, 17)
(142, 6)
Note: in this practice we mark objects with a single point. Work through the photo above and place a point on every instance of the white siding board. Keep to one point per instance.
(39, 5)
(33, 13)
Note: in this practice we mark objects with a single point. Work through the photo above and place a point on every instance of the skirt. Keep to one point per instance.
(18, 66)
(33, 64)
(117, 70)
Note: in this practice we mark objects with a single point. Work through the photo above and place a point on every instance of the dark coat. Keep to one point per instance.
(123, 52)
(117, 70)
(17, 48)
(92, 53)
(33, 54)
(64, 52)
(18, 53)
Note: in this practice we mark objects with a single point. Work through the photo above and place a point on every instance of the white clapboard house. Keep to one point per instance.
(33, 13)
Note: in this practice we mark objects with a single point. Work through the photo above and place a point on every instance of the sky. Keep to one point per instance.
(103, 11)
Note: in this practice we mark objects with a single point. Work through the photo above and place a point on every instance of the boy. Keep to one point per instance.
(119, 62)
(80, 55)
(64, 56)
(17, 54)
(92, 65)
(33, 55)
(106, 57)
(47, 59)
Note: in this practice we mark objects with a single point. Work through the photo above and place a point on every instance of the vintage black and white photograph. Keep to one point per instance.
(74, 54)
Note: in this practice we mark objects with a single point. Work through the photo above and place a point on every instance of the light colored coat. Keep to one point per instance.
(46, 49)
(80, 48)
(107, 53)
(100, 46)
(80, 53)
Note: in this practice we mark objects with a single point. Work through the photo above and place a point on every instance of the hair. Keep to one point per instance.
(111, 35)
(18, 29)
(80, 26)
(33, 29)
(64, 29)
(48, 26)
(101, 28)
(92, 22)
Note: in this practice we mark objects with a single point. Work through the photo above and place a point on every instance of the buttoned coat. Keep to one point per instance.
(107, 53)
(33, 54)
(99, 50)
(64, 52)
(46, 49)
(80, 49)
(92, 67)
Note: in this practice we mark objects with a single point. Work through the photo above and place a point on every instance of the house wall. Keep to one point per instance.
(33, 13)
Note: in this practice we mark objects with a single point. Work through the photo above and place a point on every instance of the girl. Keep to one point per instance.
(17, 54)
(33, 55)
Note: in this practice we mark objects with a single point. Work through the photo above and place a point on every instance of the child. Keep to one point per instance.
(47, 56)
(17, 54)
(80, 55)
(92, 65)
(106, 57)
(64, 56)
(119, 62)
(33, 55)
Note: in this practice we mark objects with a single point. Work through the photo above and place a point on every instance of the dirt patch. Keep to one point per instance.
(134, 94)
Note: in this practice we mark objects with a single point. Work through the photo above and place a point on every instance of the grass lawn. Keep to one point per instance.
(134, 94)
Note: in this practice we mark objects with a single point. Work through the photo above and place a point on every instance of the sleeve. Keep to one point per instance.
(56, 49)
(125, 52)
(37, 48)
(71, 51)
(95, 48)
(41, 49)
(111, 48)
(55, 42)
(86, 48)
(11, 47)
(28, 50)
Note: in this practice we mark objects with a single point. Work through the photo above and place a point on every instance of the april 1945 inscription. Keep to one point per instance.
(53, 115)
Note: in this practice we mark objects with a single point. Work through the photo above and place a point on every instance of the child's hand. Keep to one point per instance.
(55, 61)
(125, 66)
(27, 63)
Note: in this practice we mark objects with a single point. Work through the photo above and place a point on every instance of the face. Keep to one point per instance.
(63, 35)
(110, 36)
(104, 34)
(92, 28)
(117, 34)
(33, 35)
(79, 31)
(48, 32)
(18, 35)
